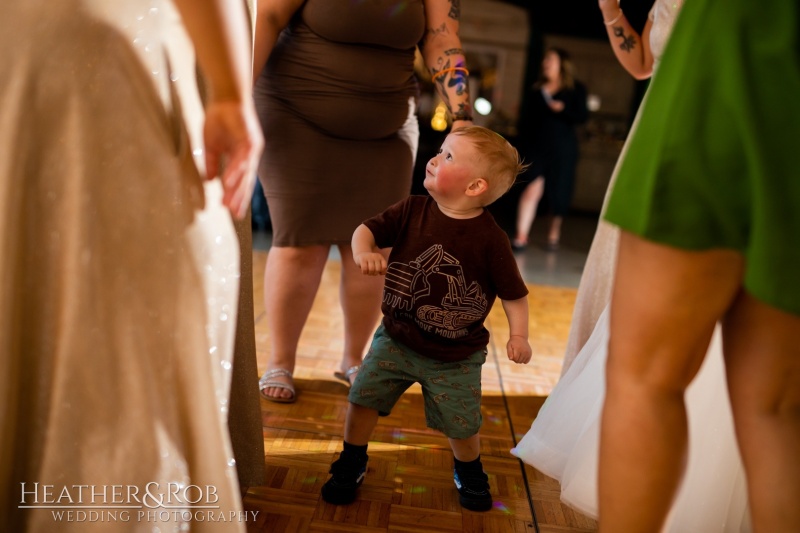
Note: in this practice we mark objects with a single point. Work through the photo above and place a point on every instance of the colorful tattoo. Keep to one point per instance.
(454, 79)
(628, 41)
(454, 51)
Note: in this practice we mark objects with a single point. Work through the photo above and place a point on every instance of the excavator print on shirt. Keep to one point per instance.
(461, 305)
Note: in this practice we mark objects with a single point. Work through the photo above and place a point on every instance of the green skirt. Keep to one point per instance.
(715, 160)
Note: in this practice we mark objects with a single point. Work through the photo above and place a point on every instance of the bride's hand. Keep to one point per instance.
(608, 7)
(233, 143)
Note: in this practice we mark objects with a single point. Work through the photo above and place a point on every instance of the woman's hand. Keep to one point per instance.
(610, 5)
(233, 144)
(231, 134)
(609, 8)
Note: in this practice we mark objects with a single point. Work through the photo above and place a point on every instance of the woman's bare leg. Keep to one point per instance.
(526, 209)
(291, 280)
(664, 307)
(360, 297)
(762, 356)
(554, 233)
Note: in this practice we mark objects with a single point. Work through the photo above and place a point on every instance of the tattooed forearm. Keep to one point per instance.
(464, 112)
(628, 41)
(455, 9)
(453, 86)
(454, 51)
(435, 32)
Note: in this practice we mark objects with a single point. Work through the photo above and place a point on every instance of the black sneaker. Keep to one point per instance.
(348, 474)
(473, 489)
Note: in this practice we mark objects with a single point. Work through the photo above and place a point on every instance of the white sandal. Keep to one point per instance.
(345, 376)
(267, 381)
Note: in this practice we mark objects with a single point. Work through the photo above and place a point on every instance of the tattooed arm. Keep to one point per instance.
(441, 50)
(632, 50)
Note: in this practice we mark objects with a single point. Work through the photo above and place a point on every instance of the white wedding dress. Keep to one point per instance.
(563, 441)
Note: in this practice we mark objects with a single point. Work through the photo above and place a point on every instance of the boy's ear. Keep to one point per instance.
(477, 187)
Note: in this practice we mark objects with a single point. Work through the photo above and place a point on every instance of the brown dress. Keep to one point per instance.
(336, 102)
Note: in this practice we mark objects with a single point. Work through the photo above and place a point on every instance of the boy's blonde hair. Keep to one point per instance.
(501, 161)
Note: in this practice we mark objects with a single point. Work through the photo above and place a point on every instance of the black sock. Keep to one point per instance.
(352, 450)
(469, 465)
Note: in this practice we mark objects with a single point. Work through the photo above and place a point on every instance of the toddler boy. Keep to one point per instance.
(449, 261)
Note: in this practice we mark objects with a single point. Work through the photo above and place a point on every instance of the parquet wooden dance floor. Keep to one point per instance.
(409, 484)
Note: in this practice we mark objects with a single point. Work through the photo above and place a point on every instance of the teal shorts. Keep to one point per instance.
(451, 391)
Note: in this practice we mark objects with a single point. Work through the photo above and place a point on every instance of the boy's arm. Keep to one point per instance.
(366, 253)
(518, 348)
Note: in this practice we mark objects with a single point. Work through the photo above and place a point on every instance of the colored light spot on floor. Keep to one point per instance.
(500, 506)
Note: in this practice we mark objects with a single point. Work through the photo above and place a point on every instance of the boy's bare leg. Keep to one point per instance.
(466, 450)
(664, 308)
(762, 356)
(554, 233)
(349, 469)
(359, 424)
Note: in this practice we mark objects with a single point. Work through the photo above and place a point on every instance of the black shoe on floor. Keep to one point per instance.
(552, 246)
(348, 473)
(518, 246)
(473, 489)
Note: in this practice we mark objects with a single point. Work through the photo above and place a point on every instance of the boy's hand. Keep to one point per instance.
(518, 349)
(371, 263)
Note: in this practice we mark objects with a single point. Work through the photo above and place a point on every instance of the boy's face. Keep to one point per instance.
(449, 173)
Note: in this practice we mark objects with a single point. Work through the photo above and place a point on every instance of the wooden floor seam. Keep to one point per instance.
(495, 352)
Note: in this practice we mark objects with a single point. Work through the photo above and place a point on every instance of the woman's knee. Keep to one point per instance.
(762, 359)
(658, 364)
(299, 257)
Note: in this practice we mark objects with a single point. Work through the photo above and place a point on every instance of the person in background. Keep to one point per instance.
(558, 106)
(335, 92)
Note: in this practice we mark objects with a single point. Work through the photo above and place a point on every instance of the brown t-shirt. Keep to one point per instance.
(443, 277)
